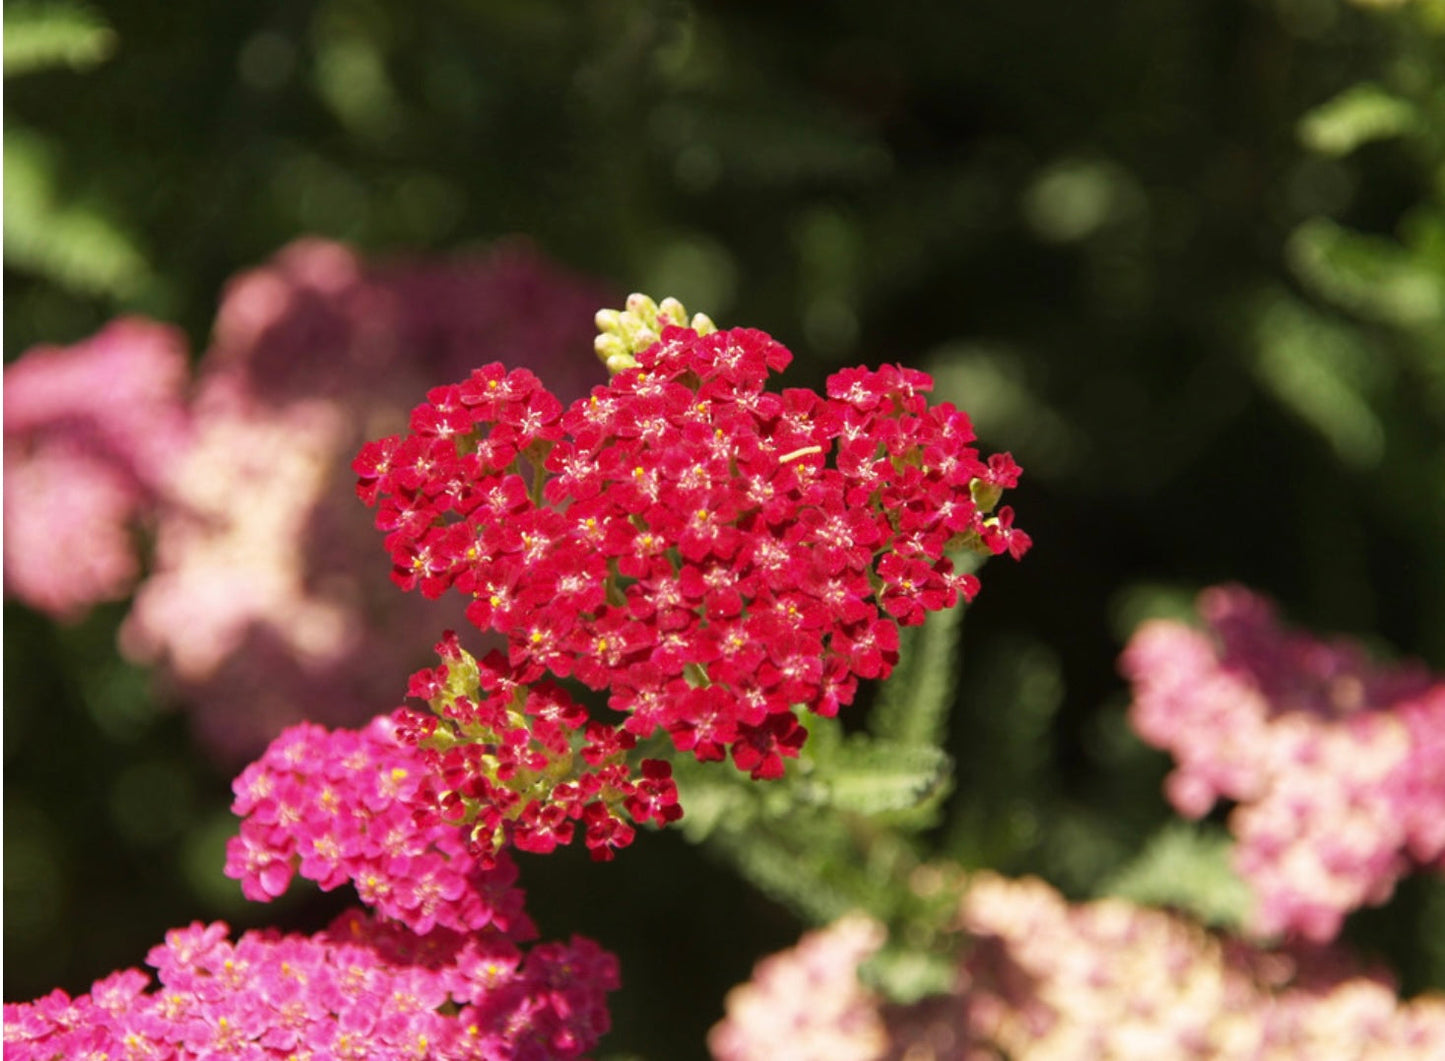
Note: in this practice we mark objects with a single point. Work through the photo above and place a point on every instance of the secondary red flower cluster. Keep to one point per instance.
(499, 757)
(363, 989)
(711, 552)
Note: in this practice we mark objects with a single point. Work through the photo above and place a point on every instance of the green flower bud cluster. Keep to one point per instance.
(626, 333)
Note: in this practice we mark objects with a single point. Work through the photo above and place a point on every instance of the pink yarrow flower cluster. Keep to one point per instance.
(263, 605)
(710, 552)
(341, 806)
(1337, 765)
(362, 989)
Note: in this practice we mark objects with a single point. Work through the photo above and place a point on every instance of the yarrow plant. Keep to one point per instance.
(91, 433)
(437, 970)
(685, 567)
(1334, 762)
(336, 807)
(712, 554)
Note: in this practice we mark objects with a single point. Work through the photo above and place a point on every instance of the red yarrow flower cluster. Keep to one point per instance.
(710, 552)
(342, 806)
(523, 764)
(362, 989)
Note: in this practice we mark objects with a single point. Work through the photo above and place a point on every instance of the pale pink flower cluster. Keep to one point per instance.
(1337, 764)
(1109, 979)
(806, 1004)
(92, 432)
(360, 990)
(1041, 978)
(265, 600)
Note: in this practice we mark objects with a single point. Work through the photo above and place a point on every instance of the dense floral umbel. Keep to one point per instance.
(1042, 978)
(710, 552)
(523, 765)
(1337, 765)
(361, 990)
(339, 806)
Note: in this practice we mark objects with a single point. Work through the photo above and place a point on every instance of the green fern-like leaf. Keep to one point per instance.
(818, 888)
(877, 776)
(712, 796)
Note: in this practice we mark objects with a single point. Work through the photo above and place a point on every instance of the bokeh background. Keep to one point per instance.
(1185, 260)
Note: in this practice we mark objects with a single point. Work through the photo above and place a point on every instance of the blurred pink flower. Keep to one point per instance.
(1043, 978)
(1337, 764)
(91, 435)
(267, 600)
(806, 1004)
(1108, 979)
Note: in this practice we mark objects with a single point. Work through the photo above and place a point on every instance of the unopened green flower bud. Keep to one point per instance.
(639, 334)
(626, 333)
(642, 307)
(610, 345)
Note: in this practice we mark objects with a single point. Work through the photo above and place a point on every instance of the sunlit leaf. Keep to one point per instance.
(1361, 113)
(873, 776)
(43, 36)
(1321, 373)
(1368, 275)
(73, 244)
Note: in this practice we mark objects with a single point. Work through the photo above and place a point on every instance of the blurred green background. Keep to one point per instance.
(1186, 260)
